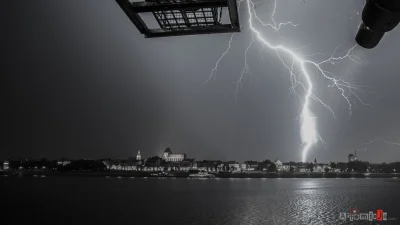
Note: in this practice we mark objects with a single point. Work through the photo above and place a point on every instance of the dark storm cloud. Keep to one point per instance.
(82, 82)
(78, 92)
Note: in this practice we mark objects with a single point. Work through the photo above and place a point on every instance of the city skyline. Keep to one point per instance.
(138, 154)
(179, 162)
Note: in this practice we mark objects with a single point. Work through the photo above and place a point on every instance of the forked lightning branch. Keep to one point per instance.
(298, 69)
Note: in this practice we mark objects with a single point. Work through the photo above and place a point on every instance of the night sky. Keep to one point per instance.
(81, 82)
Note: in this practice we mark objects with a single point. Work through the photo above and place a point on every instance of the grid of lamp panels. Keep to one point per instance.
(184, 19)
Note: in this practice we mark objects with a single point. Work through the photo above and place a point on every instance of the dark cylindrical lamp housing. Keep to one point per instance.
(379, 17)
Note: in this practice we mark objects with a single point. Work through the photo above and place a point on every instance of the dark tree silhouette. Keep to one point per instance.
(310, 166)
(85, 165)
(272, 168)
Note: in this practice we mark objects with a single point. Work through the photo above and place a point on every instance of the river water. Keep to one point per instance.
(137, 201)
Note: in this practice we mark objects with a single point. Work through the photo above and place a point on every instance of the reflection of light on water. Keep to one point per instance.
(366, 174)
(119, 177)
(394, 177)
(132, 177)
(309, 183)
(338, 178)
(145, 177)
(353, 178)
(43, 176)
(304, 202)
(264, 178)
(107, 176)
(279, 178)
(35, 175)
(367, 178)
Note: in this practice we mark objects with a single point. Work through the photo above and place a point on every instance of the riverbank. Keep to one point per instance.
(217, 175)
(309, 175)
(89, 173)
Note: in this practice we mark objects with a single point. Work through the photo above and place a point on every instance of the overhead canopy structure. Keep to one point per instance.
(182, 17)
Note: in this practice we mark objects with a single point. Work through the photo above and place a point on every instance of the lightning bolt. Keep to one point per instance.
(214, 70)
(246, 68)
(361, 149)
(308, 121)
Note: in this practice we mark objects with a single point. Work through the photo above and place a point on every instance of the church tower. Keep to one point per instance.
(138, 156)
(167, 152)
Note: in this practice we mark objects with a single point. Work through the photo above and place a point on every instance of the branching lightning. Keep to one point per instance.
(384, 141)
(246, 68)
(301, 79)
(362, 149)
(214, 70)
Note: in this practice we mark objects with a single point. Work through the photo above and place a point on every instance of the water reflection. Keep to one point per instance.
(192, 201)
(298, 202)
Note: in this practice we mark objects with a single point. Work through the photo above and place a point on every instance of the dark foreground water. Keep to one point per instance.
(136, 201)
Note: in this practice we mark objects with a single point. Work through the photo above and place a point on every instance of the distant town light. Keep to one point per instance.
(6, 165)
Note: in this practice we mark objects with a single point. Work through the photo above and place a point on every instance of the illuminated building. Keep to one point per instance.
(169, 157)
(279, 165)
(233, 166)
(243, 167)
(251, 165)
(352, 157)
(63, 162)
(301, 168)
(6, 165)
(138, 156)
(286, 167)
(209, 165)
(320, 167)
